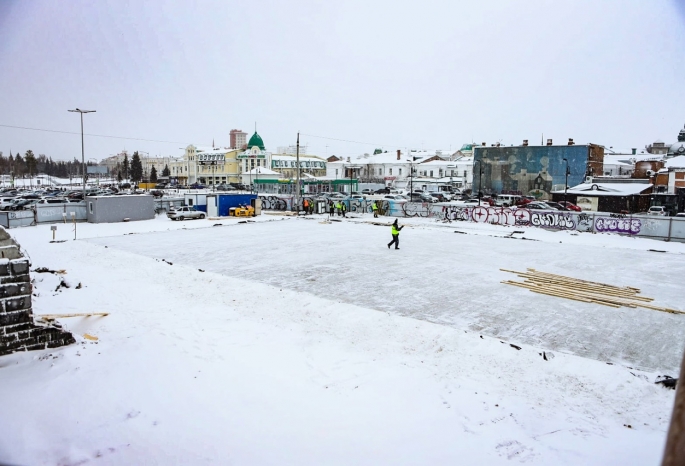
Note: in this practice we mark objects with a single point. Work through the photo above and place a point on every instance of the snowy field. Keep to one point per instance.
(291, 341)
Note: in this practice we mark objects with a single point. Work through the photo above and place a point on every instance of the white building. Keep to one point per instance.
(394, 169)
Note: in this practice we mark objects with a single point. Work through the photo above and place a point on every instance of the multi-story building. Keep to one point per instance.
(238, 139)
(206, 165)
(429, 168)
(535, 170)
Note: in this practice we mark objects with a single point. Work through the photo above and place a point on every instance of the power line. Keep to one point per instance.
(90, 134)
(354, 142)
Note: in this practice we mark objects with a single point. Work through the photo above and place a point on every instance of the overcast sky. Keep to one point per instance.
(391, 74)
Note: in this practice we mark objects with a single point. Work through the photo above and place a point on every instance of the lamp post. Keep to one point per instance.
(411, 176)
(568, 172)
(83, 157)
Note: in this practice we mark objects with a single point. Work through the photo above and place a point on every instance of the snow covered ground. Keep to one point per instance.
(290, 341)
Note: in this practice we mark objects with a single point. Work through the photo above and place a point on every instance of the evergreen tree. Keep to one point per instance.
(153, 174)
(166, 171)
(30, 163)
(119, 177)
(136, 168)
(126, 167)
(19, 166)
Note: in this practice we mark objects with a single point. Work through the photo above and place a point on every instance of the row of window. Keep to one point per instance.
(293, 164)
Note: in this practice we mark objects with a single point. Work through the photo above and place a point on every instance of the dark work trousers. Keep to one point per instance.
(396, 241)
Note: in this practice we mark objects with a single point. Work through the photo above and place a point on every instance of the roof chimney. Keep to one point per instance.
(549, 142)
(398, 154)
(525, 142)
(484, 144)
(498, 144)
(570, 141)
(634, 150)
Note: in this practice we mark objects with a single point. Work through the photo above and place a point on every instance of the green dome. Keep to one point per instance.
(256, 140)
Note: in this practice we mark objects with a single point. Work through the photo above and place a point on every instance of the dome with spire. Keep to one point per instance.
(256, 140)
(681, 135)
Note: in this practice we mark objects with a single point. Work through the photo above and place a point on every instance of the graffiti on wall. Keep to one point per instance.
(630, 226)
(561, 220)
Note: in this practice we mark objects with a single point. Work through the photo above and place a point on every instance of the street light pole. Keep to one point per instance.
(566, 184)
(83, 157)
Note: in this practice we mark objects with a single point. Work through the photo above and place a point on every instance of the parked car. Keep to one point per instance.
(657, 210)
(197, 186)
(21, 204)
(367, 191)
(160, 186)
(539, 205)
(570, 206)
(439, 196)
(183, 213)
(506, 200)
(555, 205)
(680, 214)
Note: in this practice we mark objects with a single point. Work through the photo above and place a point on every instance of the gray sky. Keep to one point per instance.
(395, 74)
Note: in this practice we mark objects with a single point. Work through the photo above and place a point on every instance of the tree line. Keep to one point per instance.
(29, 165)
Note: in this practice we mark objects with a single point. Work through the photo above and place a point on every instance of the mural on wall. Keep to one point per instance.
(528, 170)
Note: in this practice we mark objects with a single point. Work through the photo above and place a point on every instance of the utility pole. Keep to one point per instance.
(83, 157)
(566, 185)
(297, 161)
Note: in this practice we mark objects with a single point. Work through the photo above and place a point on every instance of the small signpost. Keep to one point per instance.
(54, 229)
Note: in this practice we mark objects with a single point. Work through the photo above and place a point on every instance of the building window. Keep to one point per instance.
(431, 173)
(390, 173)
(464, 173)
(336, 172)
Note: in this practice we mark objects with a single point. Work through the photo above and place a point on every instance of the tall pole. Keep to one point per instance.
(566, 185)
(297, 162)
(83, 156)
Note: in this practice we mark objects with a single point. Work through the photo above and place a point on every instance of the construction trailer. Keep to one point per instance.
(112, 209)
(219, 205)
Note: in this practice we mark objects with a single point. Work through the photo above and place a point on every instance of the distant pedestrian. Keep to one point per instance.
(338, 208)
(395, 235)
(343, 207)
(374, 207)
(331, 209)
(305, 204)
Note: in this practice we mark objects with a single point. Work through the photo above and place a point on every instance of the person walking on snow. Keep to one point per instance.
(343, 208)
(331, 209)
(395, 235)
(374, 207)
(305, 204)
(338, 208)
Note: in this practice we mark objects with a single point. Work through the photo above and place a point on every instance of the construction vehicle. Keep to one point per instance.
(241, 211)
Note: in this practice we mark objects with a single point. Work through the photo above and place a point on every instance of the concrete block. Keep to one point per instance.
(17, 304)
(19, 266)
(11, 318)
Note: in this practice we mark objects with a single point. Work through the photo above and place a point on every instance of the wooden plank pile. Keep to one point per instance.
(584, 291)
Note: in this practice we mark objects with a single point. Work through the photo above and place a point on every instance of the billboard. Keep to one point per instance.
(528, 170)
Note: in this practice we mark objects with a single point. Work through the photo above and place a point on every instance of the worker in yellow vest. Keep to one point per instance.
(395, 230)
(374, 207)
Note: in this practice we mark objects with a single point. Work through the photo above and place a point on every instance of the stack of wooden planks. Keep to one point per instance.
(584, 291)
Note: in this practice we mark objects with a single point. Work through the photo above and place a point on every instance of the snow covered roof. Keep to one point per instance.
(215, 150)
(293, 157)
(262, 171)
(619, 160)
(607, 189)
(677, 148)
(675, 162)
